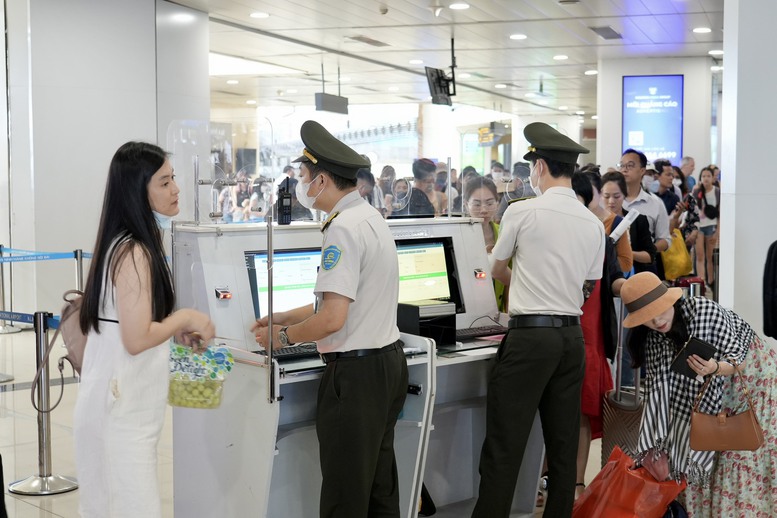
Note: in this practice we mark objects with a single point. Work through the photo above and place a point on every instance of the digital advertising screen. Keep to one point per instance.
(653, 116)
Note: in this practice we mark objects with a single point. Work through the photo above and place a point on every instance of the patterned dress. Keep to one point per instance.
(732, 484)
(744, 483)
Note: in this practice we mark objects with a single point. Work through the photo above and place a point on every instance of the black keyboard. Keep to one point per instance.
(475, 332)
(295, 352)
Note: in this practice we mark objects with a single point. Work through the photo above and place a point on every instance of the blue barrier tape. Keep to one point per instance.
(16, 251)
(36, 257)
(53, 322)
(16, 317)
(87, 255)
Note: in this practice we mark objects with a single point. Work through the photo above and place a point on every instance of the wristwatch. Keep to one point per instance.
(283, 337)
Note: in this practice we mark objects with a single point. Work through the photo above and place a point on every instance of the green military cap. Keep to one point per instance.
(324, 150)
(547, 142)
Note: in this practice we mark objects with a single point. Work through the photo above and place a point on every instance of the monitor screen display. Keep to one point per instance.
(427, 270)
(294, 278)
(438, 86)
(653, 116)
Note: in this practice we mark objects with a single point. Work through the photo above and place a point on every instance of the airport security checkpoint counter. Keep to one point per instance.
(258, 456)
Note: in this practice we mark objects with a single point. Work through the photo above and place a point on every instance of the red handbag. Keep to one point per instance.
(619, 491)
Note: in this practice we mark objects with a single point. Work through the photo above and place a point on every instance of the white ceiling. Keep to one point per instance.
(304, 34)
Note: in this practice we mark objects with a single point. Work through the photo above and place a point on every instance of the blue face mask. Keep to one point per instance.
(162, 221)
(654, 185)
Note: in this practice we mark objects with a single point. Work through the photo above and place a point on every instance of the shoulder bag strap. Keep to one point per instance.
(738, 374)
(36, 380)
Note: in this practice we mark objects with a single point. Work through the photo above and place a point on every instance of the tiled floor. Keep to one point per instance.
(19, 444)
(19, 436)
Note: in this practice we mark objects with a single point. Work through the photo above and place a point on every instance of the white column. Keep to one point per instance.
(183, 90)
(83, 80)
(749, 187)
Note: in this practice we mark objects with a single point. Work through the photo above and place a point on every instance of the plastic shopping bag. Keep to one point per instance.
(197, 380)
(619, 491)
(676, 259)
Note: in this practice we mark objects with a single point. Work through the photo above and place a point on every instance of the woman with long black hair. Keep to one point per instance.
(729, 483)
(707, 196)
(128, 315)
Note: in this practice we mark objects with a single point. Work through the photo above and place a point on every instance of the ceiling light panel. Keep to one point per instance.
(223, 65)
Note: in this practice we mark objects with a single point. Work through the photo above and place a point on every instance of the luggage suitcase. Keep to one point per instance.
(622, 408)
(690, 284)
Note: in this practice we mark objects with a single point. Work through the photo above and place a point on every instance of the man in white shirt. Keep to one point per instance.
(557, 250)
(632, 165)
(354, 325)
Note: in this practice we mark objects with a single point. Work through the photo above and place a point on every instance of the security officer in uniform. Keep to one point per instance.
(557, 248)
(364, 384)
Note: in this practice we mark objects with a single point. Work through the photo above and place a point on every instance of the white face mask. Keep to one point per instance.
(162, 221)
(302, 194)
(677, 182)
(535, 186)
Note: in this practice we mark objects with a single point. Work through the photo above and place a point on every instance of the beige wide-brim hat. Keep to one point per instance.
(646, 297)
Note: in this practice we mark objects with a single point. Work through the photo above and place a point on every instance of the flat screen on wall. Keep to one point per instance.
(653, 116)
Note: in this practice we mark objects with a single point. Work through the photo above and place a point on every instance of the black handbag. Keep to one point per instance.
(711, 211)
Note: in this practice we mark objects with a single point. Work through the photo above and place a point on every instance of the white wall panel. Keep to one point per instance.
(92, 86)
(184, 93)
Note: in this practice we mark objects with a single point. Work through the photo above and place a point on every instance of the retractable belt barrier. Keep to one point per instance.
(44, 482)
(25, 318)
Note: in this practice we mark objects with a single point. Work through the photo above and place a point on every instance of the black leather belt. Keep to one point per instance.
(544, 321)
(357, 353)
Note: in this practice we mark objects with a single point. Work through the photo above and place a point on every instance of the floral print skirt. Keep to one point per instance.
(744, 483)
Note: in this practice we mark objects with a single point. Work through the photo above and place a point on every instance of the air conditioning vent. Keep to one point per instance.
(226, 92)
(368, 41)
(607, 33)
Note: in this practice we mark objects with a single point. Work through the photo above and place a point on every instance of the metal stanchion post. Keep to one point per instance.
(716, 269)
(6, 327)
(79, 257)
(272, 397)
(196, 169)
(44, 483)
(449, 190)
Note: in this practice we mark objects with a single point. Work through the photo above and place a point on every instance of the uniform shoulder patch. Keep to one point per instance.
(330, 257)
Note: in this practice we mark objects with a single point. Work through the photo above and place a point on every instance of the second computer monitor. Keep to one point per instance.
(427, 270)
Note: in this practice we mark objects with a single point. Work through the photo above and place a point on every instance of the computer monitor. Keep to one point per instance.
(294, 278)
(427, 270)
(439, 86)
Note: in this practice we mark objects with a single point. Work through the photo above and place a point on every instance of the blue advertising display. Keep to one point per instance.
(653, 116)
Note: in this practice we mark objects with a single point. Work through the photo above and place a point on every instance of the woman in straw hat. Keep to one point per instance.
(733, 483)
